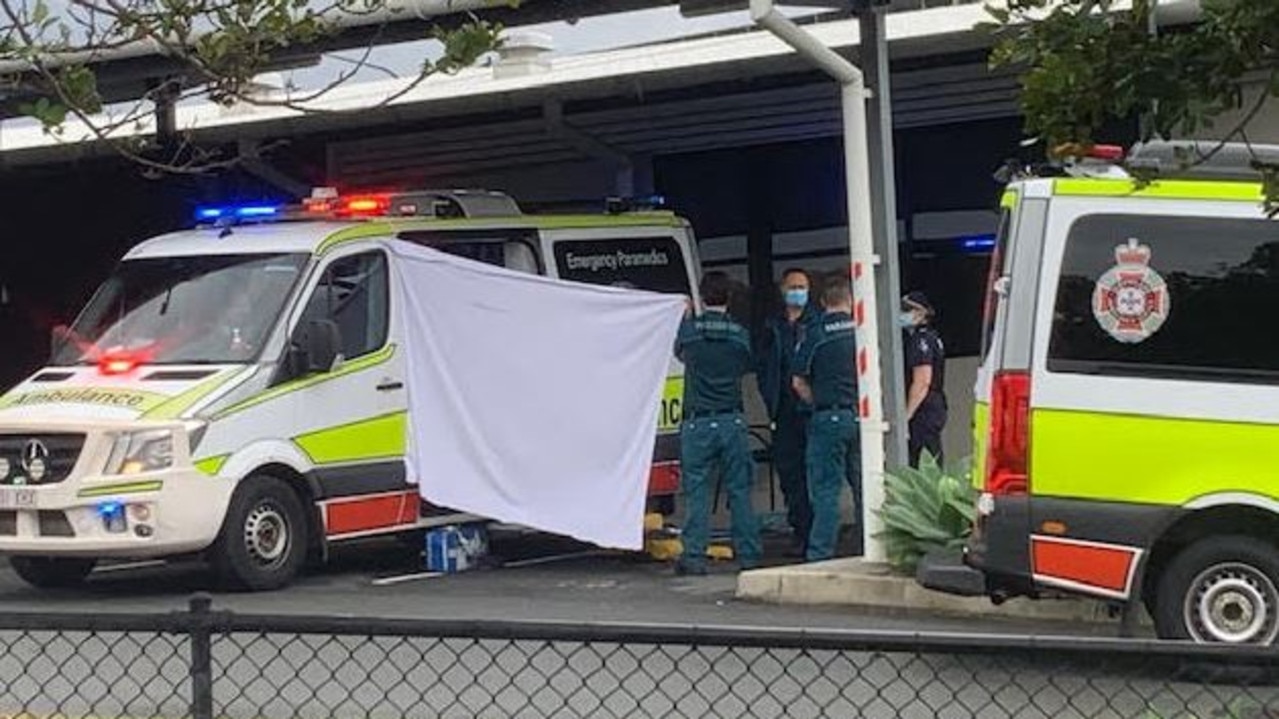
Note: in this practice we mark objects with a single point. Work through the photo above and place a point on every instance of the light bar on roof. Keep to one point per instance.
(328, 203)
(241, 212)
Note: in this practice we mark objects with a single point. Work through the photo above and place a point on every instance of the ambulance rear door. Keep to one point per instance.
(1003, 378)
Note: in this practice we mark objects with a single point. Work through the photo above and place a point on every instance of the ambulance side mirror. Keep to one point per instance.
(316, 347)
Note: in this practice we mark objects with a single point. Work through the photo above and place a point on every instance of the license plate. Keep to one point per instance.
(17, 498)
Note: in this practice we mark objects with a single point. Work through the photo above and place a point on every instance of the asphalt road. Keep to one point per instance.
(287, 675)
(574, 584)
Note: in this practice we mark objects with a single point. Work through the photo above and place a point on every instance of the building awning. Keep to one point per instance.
(625, 73)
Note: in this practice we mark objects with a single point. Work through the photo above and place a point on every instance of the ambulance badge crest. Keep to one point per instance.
(1131, 300)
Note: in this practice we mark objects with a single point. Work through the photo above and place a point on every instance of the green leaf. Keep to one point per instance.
(925, 509)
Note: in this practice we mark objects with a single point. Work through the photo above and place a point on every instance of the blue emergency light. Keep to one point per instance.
(243, 212)
(980, 243)
(616, 205)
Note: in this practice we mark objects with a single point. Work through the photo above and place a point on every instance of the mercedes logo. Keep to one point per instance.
(35, 459)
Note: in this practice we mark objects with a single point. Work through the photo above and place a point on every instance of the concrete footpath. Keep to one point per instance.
(854, 582)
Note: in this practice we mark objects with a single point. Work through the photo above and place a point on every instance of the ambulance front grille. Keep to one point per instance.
(38, 459)
(54, 524)
(8, 523)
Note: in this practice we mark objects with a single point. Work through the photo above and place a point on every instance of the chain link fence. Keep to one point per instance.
(203, 664)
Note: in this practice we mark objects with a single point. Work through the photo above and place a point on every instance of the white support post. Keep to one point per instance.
(861, 254)
(865, 313)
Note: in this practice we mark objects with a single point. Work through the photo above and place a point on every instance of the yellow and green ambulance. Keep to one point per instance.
(236, 390)
(1127, 416)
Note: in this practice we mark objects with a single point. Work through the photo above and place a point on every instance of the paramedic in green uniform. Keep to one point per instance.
(825, 377)
(716, 352)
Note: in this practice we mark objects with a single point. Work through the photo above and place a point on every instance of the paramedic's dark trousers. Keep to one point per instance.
(790, 442)
(832, 447)
(704, 442)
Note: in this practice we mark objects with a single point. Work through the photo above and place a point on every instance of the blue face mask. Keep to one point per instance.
(796, 298)
(906, 319)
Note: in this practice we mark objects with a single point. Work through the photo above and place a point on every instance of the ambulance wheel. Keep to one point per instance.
(52, 572)
(1221, 590)
(263, 544)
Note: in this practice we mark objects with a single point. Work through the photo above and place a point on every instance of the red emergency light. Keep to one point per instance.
(1110, 153)
(364, 205)
(319, 205)
(117, 363)
(375, 205)
(1105, 153)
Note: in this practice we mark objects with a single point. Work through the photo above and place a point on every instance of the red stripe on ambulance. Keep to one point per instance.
(363, 514)
(1105, 569)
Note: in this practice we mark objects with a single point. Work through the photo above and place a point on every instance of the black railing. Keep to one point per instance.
(205, 663)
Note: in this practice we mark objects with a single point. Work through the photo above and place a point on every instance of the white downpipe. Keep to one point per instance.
(861, 255)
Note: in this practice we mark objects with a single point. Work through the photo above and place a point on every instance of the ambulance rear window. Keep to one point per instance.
(998, 258)
(1168, 297)
(655, 264)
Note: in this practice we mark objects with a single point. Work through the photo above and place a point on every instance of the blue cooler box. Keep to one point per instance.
(455, 548)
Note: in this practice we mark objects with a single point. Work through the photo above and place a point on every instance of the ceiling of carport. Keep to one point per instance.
(921, 98)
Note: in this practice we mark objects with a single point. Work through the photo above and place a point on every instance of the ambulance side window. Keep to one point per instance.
(353, 293)
(1168, 297)
(512, 249)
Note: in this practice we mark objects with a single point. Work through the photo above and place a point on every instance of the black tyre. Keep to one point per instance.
(1220, 590)
(52, 572)
(263, 541)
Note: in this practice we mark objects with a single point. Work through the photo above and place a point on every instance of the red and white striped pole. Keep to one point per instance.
(870, 400)
(861, 255)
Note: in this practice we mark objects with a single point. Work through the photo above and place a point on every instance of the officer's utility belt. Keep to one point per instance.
(701, 414)
(833, 408)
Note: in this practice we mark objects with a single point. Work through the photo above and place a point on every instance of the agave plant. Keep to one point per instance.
(925, 509)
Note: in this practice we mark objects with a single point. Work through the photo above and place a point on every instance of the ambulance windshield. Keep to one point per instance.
(208, 309)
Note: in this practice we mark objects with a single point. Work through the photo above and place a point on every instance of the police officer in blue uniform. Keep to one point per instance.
(925, 377)
(786, 411)
(716, 352)
(825, 375)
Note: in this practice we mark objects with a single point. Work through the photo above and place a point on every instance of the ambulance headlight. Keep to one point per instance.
(137, 452)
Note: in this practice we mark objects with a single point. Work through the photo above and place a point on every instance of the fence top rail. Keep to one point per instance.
(202, 619)
(782, 638)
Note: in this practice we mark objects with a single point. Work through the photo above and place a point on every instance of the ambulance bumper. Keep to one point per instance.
(142, 517)
(1030, 546)
(994, 562)
(947, 572)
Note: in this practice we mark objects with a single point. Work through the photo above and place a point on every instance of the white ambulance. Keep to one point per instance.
(237, 390)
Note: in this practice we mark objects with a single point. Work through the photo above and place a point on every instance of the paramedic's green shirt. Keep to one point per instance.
(716, 352)
(827, 358)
